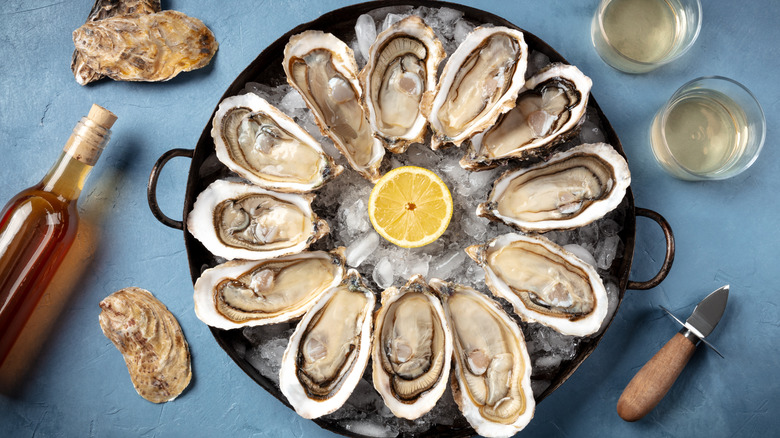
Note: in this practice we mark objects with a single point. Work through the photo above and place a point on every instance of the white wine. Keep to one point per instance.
(637, 36)
(703, 131)
(642, 30)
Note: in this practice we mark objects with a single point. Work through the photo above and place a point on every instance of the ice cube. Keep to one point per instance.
(383, 273)
(365, 30)
(358, 251)
(581, 252)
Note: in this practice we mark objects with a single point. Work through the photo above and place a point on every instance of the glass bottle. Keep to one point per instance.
(38, 225)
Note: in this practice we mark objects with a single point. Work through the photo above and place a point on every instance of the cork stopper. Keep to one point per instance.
(91, 135)
(101, 116)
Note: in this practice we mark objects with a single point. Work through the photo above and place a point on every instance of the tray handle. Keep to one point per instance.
(668, 258)
(151, 187)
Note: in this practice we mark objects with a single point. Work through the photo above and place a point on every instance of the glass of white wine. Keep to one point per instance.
(711, 128)
(636, 36)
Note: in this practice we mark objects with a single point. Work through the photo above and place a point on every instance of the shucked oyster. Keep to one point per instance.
(151, 341)
(412, 349)
(544, 282)
(399, 76)
(571, 189)
(148, 47)
(329, 349)
(241, 293)
(480, 81)
(322, 68)
(236, 220)
(103, 9)
(548, 111)
(267, 147)
(492, 384)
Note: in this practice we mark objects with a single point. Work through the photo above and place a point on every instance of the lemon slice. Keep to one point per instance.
(410, 206)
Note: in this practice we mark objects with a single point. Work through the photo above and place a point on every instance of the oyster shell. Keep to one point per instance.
(329, 349)
(548, 111)
(237, 220)
(543, 282)
(103, 9)
(399, 76)
(479, 82)
(492, 384)
(265, 146)
(147, 47)
(242, 293)
(412, 349)
(151, 341)
(323, 70)
(571, 189)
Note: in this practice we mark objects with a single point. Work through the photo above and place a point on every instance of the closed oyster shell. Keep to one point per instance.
(323, 70)
(148, 47)
(543, 282)
(237, 220)
(479, 82)
(265, 146)
(398, 79)
(101, 10)
(412, 349)
(242, 293)
(571, 189)
(492, 375)
(151, 342)
(329, 349)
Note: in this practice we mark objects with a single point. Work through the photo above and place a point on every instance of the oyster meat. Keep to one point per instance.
(548, 111)
(412, 349)
(543, 282)
(329, 349)
(399, 76)
(479, 82)
(323, 70)
(237, 220)
(492, 384)
(103, 9)
(242, 293)
(571, 189)
(147, 47)
(151, 341)
(265, 146)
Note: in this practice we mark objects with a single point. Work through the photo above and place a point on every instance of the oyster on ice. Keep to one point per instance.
(236, 220)
(265, 146)
(479, 82)
(571, 189)
(492, 384)
(242, 293)
(543, 282)
(329, 349)
(548, 111)
(399, 76)
(323, 70)
(412, 349)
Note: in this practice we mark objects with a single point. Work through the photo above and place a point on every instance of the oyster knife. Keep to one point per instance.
(657, 376)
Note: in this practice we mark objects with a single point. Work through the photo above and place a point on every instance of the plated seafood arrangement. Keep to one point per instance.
(434, 344)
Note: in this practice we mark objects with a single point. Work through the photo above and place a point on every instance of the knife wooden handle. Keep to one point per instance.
(653, 381)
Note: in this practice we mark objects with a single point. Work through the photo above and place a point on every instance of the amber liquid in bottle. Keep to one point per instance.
(38, 225)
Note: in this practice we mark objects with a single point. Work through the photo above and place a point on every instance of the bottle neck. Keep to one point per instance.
(66, 178)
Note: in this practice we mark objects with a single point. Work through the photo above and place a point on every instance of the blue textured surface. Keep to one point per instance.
(726, 232)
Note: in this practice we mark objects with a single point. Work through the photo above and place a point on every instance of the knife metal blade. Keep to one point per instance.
(704, 318)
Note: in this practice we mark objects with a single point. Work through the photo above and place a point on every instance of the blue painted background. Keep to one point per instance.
(76, 383)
